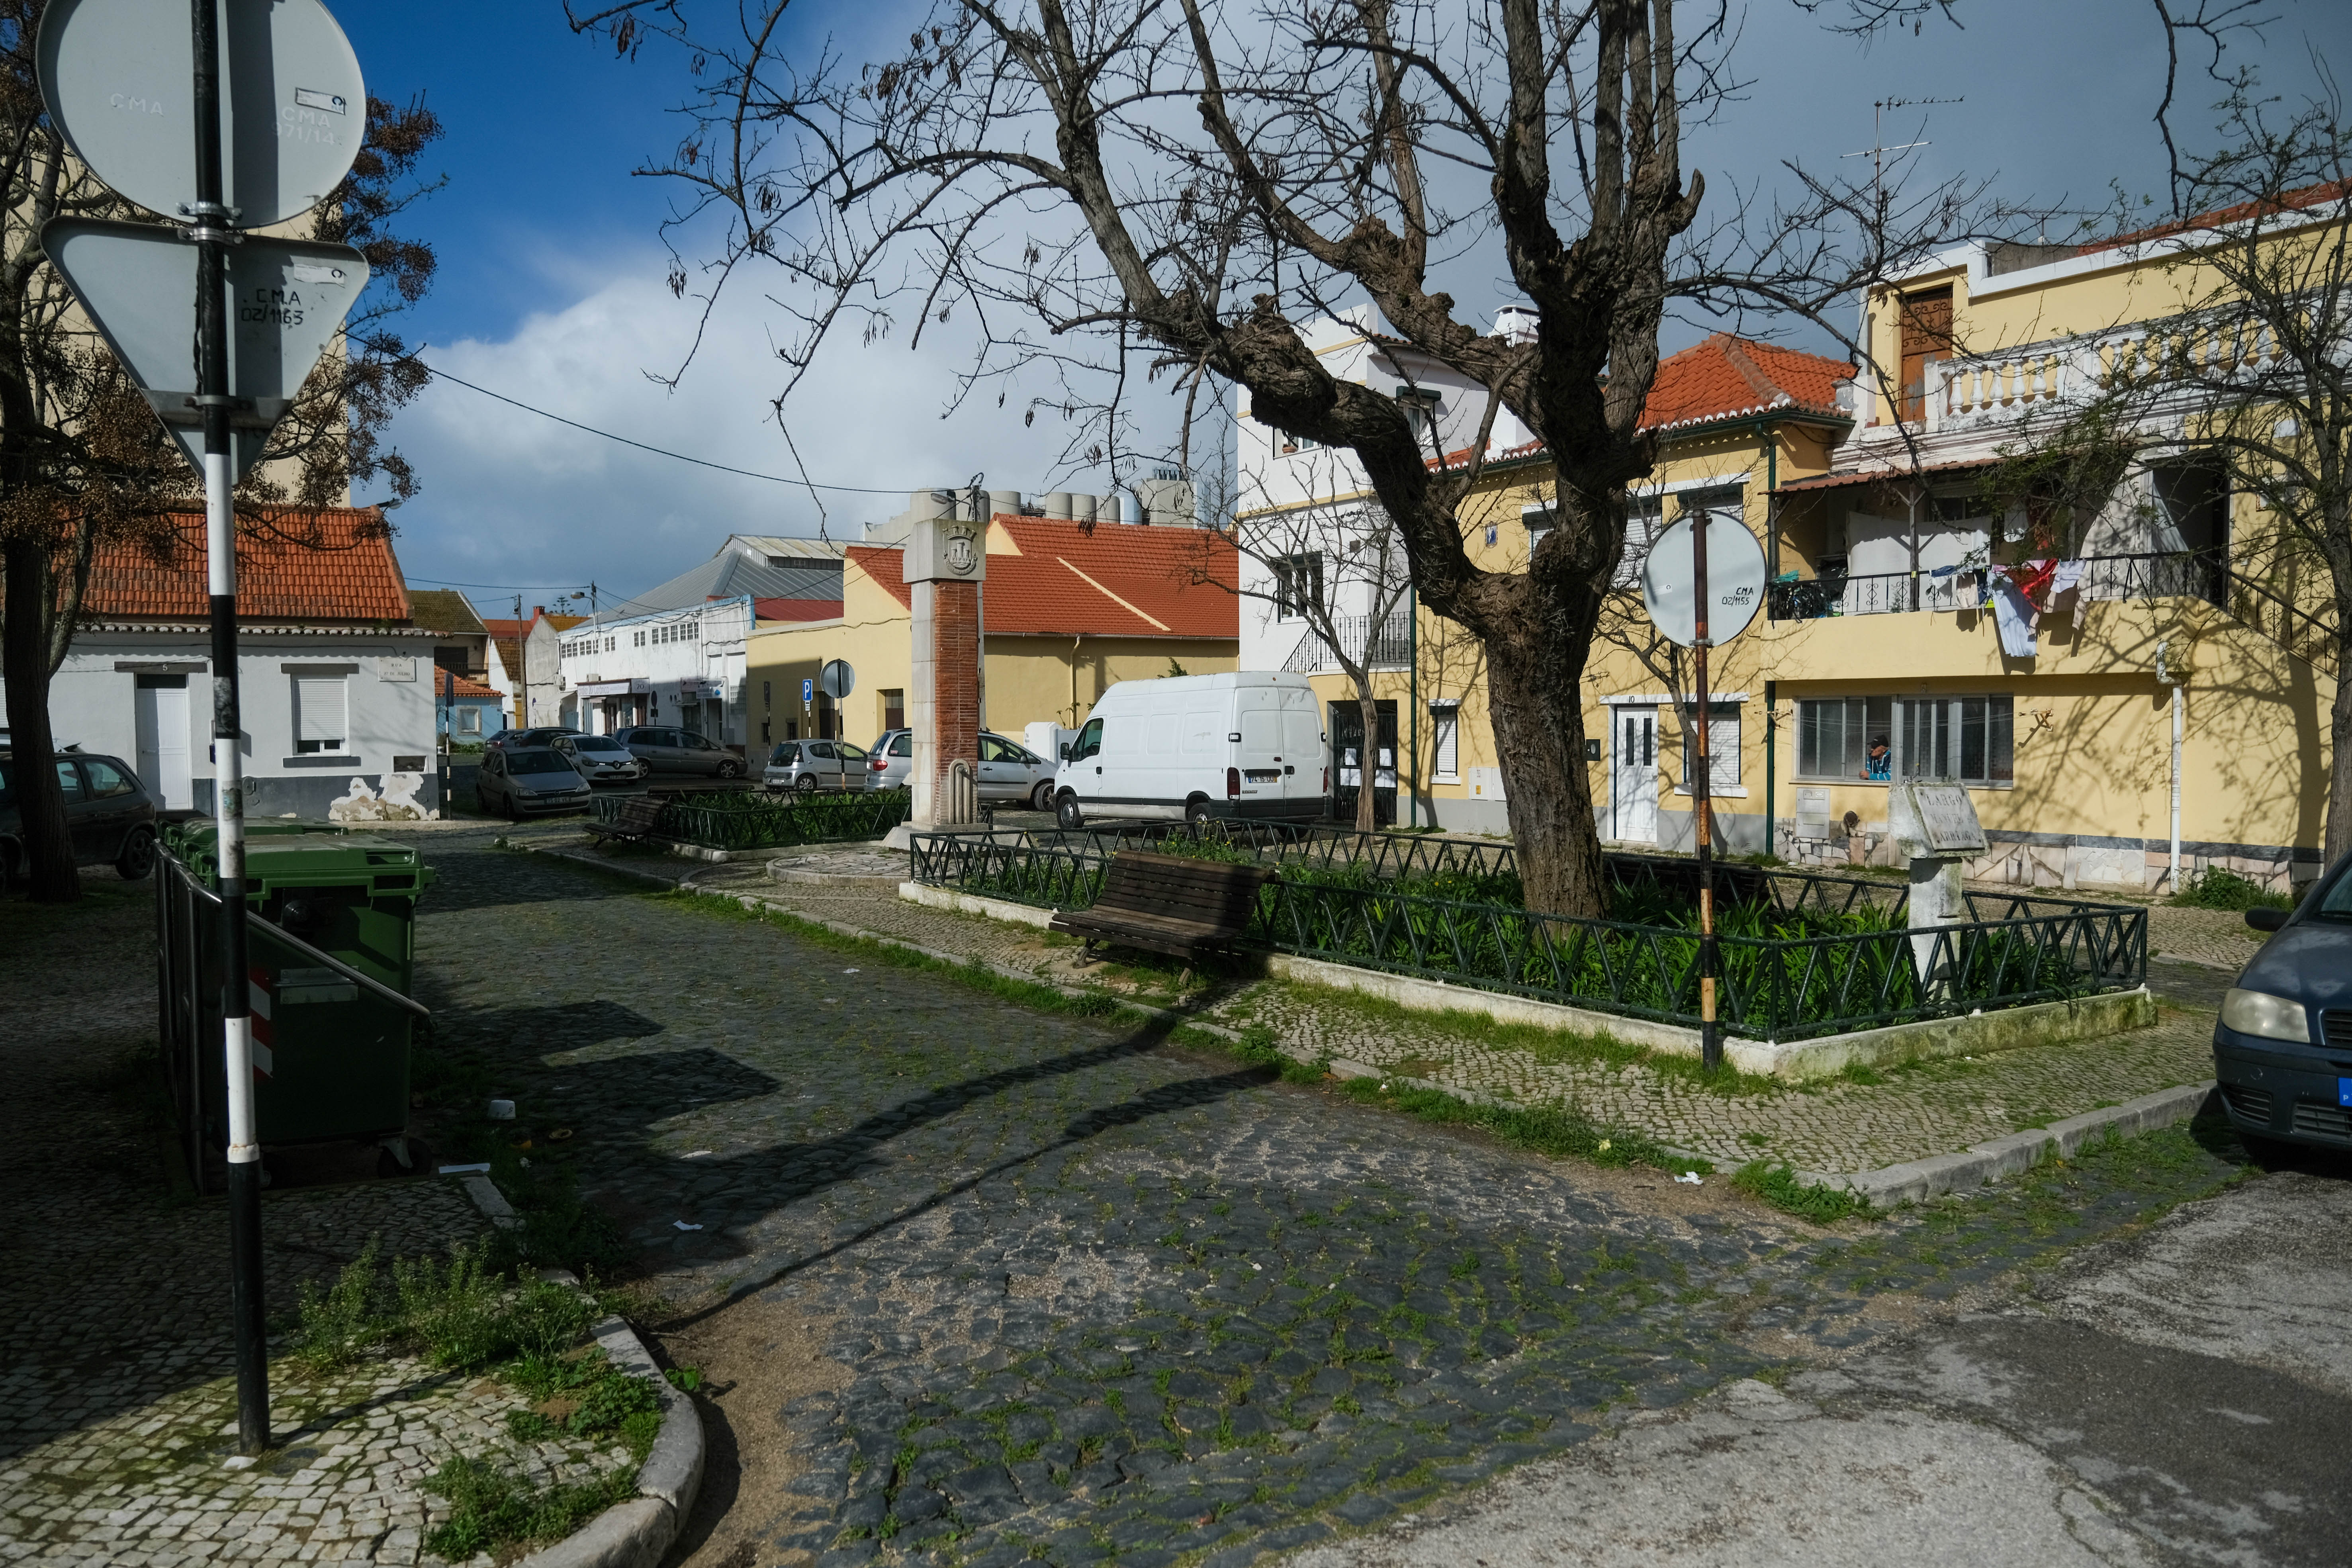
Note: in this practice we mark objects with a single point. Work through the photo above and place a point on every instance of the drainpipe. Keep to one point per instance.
(1412, 699)
(1075, 643)
(2165, 677)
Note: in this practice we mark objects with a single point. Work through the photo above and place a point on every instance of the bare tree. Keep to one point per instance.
(85, 466)
(1114, 190)
(2253, 372)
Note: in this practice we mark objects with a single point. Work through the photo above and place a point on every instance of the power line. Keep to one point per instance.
(657, 451)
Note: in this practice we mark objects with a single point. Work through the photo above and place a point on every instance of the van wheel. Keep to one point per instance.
(1042, 798)
(1066, 812)
(729, 768)
(1196, 810)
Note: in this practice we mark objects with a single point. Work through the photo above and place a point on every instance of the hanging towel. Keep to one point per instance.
(2032, 578)
(2068, 575)
(2012, 615)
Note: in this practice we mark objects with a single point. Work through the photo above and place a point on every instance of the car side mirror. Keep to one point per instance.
(2266, 920)
(1065, 751)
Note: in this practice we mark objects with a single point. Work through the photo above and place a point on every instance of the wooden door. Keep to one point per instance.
(1927, 323)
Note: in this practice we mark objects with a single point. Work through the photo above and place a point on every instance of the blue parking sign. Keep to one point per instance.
(808, 690)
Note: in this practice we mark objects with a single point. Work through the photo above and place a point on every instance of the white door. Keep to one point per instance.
(1633, 784)
(163, 738)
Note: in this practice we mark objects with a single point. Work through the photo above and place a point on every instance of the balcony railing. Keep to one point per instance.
(1387, 647)
(2181, 575)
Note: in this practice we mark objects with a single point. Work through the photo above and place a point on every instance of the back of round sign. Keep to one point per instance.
(836, 679)
(115, 75)
(1734, 581)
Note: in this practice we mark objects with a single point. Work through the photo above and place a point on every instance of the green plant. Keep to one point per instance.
(341, 1322)
(1778, 1186)
(492, 1507)
(2219, 887)
(454, 1312)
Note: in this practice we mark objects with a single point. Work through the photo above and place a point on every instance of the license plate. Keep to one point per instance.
(2344, 1092)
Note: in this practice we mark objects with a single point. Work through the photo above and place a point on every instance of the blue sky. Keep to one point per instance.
(550, 286)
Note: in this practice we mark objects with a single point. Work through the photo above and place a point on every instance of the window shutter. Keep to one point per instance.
(1446, 721)
(318, 708)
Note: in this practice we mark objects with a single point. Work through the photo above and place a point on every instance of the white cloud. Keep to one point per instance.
(511, 498)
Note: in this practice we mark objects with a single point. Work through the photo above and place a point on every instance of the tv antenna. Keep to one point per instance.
(1877, 150)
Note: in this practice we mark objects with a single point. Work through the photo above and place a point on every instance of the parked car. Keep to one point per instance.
(107, 810)
(890, 761)
(2282, 1046)
(600, 759)
(1245, 743)
(519, 782)
(1010, 771)
(812, 765)
(666, 751)
(543, 735)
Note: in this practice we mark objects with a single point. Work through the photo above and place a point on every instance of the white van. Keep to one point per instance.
(1246, 744)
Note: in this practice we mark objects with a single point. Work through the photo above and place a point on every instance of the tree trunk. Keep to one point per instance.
(2337, 840)
(1536, 703)
(49, 858)
(1368, 771)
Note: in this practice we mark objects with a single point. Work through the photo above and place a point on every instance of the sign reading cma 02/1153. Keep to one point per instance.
(115, 75)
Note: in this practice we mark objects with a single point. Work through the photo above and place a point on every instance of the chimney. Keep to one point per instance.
(538, 612)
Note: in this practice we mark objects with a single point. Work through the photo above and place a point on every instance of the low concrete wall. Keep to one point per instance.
(973, 904)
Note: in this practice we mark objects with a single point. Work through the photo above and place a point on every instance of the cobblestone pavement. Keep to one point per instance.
(2202, 936)
(1840, 1125)
(1097, 1298)
(117, 1401)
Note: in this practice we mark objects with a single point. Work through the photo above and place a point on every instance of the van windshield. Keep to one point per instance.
(1089, 740)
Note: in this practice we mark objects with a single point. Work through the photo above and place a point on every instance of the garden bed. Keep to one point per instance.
(760, 821)
(1802, 955)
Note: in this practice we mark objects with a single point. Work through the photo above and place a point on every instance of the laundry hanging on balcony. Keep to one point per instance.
(2013, 617)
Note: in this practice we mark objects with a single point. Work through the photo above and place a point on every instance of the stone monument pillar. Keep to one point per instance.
(1934, 826)
(946, 560)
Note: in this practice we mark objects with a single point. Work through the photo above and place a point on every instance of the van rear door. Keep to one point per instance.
(1304, 753)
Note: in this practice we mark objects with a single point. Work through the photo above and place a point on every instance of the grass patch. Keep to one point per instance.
(490, 1506)
(2219, 887)
(1552, 1131)
(1778, 1186)
(460, 1313)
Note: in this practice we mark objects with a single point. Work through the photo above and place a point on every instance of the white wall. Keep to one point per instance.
(705, 643)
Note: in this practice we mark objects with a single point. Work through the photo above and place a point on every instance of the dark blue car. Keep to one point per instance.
(2282, 1049)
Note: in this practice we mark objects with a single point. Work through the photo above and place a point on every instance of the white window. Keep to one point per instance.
(1722, 748)
(1420, 407)
(1446, 740)
(1298, 585)
(321, 718)
(470, 721)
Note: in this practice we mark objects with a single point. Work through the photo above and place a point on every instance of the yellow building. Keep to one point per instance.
(1067, 610)
(2036, 654)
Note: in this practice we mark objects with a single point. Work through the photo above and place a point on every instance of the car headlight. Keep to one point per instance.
(2265, 1017)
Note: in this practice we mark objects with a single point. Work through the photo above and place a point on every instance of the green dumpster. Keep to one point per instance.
(332, 951)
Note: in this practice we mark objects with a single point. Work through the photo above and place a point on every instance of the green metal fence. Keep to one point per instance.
(767, 822)
(1802, 955)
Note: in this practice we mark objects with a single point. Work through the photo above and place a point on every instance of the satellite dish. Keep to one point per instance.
(116, 74)
(836, 679)
(1734, 581)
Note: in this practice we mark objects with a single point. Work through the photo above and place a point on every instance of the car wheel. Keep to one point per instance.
(1042, 798)
(1066, 812)
(1196, 810)
(807, 784)
(729, 768)
(138, 856)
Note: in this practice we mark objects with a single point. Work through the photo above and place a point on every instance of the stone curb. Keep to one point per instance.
(1916, 1181)
(635, 1534)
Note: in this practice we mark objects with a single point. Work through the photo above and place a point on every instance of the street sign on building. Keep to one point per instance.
(115, 76)
(287, 298)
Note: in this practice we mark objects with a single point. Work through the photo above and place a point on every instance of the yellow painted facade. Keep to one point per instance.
(1029, 678)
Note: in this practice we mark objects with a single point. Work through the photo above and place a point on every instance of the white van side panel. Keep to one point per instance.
(1167, 741)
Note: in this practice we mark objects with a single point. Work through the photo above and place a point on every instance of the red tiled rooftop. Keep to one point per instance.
(795, 609)
(1118, 580)
(1726, 377)
(331, 566)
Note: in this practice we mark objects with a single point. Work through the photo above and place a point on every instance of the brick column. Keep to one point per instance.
(947, 683)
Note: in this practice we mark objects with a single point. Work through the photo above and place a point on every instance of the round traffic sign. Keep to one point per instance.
(117, 76)
(1734, 581)
(837, 678)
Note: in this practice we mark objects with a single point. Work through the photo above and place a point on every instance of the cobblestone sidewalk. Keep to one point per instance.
(1094, 1297)
(1840, 1125)
(117, 1398)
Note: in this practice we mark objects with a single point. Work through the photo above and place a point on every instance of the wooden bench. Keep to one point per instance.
(1168, 903)
(639, 812)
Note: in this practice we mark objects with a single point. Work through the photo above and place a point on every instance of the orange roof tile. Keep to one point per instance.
(1114, 580)
(332, 565)
(1727, 377)
(2222, 217)
(446, 683)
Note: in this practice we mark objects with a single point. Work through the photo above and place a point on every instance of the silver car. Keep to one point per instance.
(663, 750)
(1008, 771)
(601, 759)
(812, 765)
(518, 783)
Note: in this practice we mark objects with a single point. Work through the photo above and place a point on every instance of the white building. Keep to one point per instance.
(683, 667)
(338, 700)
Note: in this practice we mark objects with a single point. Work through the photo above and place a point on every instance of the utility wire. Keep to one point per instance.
(657, 451)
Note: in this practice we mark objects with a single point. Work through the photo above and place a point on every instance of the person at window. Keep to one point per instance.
(1880, 763)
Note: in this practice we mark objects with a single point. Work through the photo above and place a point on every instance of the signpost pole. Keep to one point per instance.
(1709, 1036)
(211, 231)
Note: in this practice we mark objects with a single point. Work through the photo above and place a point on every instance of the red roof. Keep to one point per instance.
(1112, 580)
(331, 566)
(448, 684)
(2222, 217)
(1727, 377)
